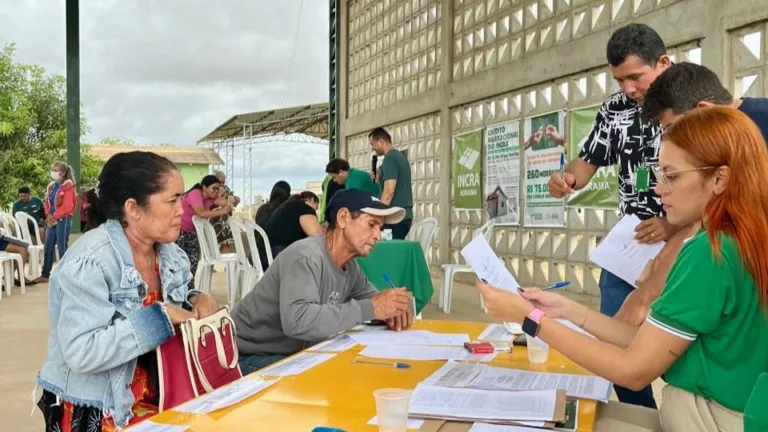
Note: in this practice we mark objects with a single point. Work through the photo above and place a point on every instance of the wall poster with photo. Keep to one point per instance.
(502, 173)
(544, 149)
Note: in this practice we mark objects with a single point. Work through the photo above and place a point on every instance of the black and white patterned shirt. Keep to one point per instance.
(619, 137)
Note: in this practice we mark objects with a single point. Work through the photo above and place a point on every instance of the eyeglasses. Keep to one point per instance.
(667, 178)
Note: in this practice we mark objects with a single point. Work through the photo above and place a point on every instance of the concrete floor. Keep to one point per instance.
(24, 324)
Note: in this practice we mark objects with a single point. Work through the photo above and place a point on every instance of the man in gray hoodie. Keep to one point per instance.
(314, 289)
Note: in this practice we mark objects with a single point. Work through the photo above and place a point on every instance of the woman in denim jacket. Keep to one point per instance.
(115, 297)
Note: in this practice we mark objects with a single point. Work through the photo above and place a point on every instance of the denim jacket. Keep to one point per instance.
(98, 325)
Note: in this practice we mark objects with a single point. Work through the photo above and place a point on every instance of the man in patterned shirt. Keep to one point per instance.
(636, 55)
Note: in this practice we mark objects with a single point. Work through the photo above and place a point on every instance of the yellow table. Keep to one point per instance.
(339, 393)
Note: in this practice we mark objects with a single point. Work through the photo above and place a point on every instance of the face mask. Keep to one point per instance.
(55, 175)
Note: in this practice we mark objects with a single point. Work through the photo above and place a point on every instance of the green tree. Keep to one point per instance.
(117, 140)
(33, 126)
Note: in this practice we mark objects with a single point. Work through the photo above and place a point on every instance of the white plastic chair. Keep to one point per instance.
(210, 255)
(6, 263)
(252, 227)
(451, 270)
(36, 247)
(248, 274)
(423, 232)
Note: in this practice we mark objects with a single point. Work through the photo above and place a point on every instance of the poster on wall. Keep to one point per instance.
(544, 146)
(602, 192)
(467, 167)
(502, 173)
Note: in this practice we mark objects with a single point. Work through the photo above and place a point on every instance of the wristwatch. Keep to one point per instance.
(532, 322)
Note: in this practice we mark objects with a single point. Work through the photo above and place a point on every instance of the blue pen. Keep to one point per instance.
(562, 165)
(396, 365)
(388, 279)
(558, 286)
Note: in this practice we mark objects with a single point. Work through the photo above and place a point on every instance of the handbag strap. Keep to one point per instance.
(199, 339)
(187, 341)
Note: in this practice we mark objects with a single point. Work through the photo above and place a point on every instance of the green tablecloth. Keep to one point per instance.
(404, 261)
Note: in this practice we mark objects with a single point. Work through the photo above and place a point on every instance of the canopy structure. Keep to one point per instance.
(304, 124)
(308, 120)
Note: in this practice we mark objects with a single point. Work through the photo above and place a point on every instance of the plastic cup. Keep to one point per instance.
(392, 408)
(538, 350)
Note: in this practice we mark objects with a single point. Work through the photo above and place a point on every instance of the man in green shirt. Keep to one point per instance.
(32, 206)
(351, 178)
(394, 177)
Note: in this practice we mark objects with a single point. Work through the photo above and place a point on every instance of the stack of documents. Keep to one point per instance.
(409, 337)
(423, 352)
(502, 407)
(479, 376)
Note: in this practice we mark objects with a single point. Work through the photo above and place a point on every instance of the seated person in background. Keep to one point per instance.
(220, 223)
(294, 220)
(281, 191)
(7, 245)
(330, 187)
(34, 207)
(315, 289)
(706, 334)
(351, 178)
(682, 87)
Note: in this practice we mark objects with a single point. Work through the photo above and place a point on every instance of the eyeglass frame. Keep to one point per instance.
(661, 176)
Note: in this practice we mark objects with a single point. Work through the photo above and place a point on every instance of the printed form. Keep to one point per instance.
(487, 265)
(621, 254)
(473, 404)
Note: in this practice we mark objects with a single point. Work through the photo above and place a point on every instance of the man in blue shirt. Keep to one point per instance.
(685, 86)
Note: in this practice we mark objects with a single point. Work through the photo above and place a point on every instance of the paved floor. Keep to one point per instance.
(24, 324)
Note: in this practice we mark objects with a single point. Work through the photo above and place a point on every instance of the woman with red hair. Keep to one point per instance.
(707, 333)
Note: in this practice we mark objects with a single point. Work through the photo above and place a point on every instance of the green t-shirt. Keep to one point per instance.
(712, 301)
(359, 179)
(396, 167)
(33, 207)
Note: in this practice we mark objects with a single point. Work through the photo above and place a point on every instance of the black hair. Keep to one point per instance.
(207, 181)
(132, 175)
(24, 190)
(336, 165)
(635, 39)
(680, 88)
(281, 191)
(380, 134)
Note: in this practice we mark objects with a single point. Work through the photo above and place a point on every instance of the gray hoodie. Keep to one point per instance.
(302, 299)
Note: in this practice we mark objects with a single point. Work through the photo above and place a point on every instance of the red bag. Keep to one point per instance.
(194, 361)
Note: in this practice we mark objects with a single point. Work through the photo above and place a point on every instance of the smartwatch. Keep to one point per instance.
(532, 322)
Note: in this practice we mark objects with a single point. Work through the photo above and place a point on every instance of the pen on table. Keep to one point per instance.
(557, 286)
(395, 365)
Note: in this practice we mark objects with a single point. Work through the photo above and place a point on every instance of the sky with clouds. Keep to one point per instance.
(170, 71)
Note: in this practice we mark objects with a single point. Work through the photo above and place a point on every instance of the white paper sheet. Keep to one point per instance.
(409, 337)
(454, 374)
(581, 386)
(337, 343)
(496, 332)
(411, 423)
(458, 403)
(621, 254)
(423, 352)
(486, 265)
(150, 426)
(225, 396)
(367, 328)
(486, 427)
(297, 364)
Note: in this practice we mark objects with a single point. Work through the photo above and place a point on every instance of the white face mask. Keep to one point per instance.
(55, 175)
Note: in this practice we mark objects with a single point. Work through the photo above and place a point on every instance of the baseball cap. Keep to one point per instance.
(362, 201)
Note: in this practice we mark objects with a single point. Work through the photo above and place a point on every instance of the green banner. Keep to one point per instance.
(467, 167)
(602, 192)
